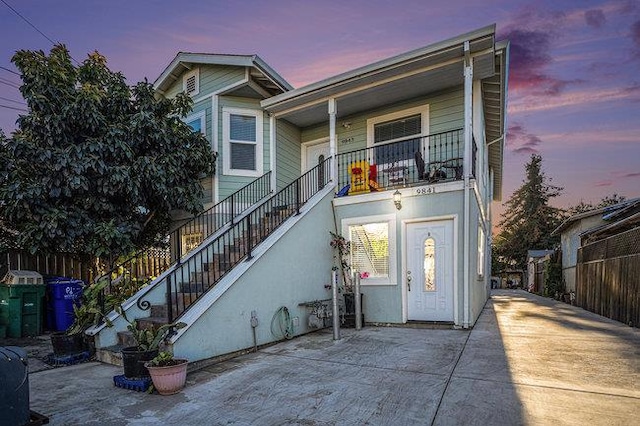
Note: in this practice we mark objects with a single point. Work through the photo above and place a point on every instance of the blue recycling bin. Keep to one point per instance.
(62, 294)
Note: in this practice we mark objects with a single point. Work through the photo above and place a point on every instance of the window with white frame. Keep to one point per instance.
(397, 136)
(197, 122)
(242, 139)
(191, 82)
(191, 241)
(481, 249)
(372, 248)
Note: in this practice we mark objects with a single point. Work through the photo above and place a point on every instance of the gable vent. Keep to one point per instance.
(191, 83)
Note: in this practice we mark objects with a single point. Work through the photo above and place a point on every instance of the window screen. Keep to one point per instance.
(243, 156)
(397, 130)
(370, 249)
(242, 128)
(196, 125)
(242, 135)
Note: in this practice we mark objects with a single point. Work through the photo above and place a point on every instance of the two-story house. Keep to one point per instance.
(402, 157)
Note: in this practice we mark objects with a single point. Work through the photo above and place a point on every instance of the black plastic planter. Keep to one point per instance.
(65, 344)
(133, 361)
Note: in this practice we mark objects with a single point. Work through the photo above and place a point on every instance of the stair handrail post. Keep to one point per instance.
(298, 196)
(169, 300)
(249, 240)
(232, 208)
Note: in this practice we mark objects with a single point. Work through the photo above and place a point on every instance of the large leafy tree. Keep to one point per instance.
(528, 219)
(96, 166)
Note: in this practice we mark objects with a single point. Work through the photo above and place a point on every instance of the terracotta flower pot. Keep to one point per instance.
(170, 379)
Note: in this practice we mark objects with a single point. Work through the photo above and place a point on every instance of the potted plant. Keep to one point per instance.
(148, 341)
(168, 374)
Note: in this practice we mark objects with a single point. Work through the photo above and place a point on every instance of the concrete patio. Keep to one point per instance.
(528, 360)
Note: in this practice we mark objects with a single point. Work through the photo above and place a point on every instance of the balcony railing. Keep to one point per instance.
(430, 159)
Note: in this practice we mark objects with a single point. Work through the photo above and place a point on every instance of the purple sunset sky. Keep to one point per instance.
(574, 93)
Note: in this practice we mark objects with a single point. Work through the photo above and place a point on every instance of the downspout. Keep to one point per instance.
(468, 136)
(332, 139)
(272, 150)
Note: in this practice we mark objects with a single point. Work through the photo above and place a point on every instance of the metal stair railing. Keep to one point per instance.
(127, 277)
(207, 265)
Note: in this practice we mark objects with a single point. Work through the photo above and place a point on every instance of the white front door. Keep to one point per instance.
(315, 153)
(430, 270)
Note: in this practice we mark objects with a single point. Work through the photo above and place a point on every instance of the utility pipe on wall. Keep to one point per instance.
(358, 300)
(336, 313)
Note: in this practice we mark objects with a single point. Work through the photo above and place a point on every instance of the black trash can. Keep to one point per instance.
(14, 392)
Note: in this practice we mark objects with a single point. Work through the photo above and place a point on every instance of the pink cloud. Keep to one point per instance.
(520, 141)
(335, 63)
(581, 99)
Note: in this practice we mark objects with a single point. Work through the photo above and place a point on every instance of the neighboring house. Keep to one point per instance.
(536, 260)
(572, 232)
(602, 248)
(402, 157)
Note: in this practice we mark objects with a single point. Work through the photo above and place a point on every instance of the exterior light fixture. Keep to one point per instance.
(397, 199)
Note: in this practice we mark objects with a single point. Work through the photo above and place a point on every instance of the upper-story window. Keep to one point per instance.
(197, 122)
(399, 135)
(191, 82)
(242, 139)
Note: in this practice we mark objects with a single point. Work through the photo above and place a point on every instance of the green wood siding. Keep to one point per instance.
(212, 78)
(229, 184)
(446, 112)
(288, 153)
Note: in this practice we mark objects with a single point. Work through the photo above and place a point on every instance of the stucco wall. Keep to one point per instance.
(294, 270)
(383, 303)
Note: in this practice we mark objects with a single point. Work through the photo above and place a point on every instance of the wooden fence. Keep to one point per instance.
(62, 265)
(608, 277)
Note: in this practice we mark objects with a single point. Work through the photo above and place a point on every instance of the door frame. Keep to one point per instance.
(405, 249)
(305, 149)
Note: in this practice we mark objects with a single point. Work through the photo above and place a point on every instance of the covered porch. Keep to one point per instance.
(435, 151)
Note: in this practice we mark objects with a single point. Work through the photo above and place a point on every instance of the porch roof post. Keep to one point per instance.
(332, 138)
(272, 150)
(468, 138)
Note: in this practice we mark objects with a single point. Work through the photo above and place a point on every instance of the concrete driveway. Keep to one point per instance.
(528, 360)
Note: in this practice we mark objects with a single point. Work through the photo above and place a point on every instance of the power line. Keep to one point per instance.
(33, 26)
(27, 21)
(10, 70)
(11, 100)
(14, 108)
(8, 82)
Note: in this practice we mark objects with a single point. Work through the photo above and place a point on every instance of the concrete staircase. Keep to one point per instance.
(200, 282)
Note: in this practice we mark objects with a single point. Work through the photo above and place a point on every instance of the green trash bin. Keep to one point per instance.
(22, 303)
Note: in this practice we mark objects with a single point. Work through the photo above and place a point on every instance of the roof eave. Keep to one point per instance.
(376, 67)
(254, 61)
